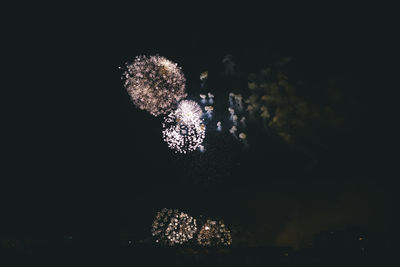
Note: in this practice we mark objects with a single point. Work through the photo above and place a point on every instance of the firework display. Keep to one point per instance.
(172, 227)
(214, 233)
(183, 129)
(154, 84)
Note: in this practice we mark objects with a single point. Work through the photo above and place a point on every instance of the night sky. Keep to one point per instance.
(84, 160)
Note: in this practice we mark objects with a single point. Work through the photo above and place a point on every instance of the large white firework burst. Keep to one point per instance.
(214, 233)
(183, 129)
(154, 84)
(172, 227)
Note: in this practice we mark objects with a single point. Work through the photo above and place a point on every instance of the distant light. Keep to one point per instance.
(201, 148)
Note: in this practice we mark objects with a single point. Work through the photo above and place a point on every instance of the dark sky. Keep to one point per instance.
(82, 158)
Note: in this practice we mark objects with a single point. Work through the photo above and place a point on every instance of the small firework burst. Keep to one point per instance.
(172, 227)
(183, 129)
(154, 84)
(214, 233)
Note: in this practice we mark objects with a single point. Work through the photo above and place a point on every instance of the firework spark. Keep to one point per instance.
(233, 130)
(235, 119)
(203, 98)
(183, 129)
(210, 98)
(154, 84)
(204, 75)
(209, 110)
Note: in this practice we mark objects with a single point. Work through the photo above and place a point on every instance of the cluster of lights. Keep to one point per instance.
(214, 233)
(154, 84)
(183, 129)
(173, 227)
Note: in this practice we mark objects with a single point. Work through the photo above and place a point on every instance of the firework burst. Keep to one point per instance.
(183, 129)
(154, 84)
(173, 227)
